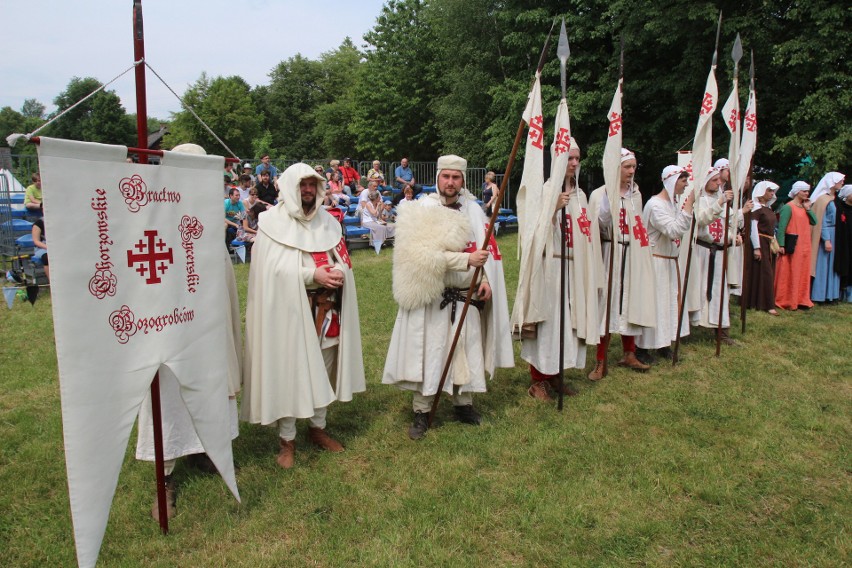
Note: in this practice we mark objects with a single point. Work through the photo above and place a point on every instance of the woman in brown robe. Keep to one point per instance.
(760, 292)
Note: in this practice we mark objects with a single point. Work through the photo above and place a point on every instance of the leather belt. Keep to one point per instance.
(455, 295)
(322, 300)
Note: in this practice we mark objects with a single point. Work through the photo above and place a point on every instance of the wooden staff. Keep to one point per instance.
(562, 51)
(488, 232)
(747, 220)
(736, 55)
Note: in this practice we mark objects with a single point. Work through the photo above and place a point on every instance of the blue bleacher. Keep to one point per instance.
(351, 220)
(25, 241)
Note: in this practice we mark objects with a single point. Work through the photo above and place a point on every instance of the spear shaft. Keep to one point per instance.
(562, 51)
(488, 233)
(747, 222)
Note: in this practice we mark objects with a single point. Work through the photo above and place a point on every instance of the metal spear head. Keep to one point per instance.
(737, 51)
(621, 59)
(751, 70)
(562, 52)
(718, 31)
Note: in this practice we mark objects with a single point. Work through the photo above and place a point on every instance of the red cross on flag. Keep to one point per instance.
(749, 140)
(138, 278)
(612, 155)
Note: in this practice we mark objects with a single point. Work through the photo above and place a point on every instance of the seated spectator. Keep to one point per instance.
(335, 191)
(248, 230)
(376, 173)
(32, 198)
(40, 243)
(266, 166)
(333, 166)
(363, 197)
(407, 193)
(230, 173)
(388, 213)
(244, 187)
(489, 193)
(248, 171)
(234, 213)
(371, 218)
(351, 177)
(253, 200)
(266, 192)
(404, 176)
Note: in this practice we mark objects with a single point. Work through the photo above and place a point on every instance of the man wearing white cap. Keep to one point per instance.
(667, 219)
(710, 226)
(435, 255)
(303, 337)
(632, 304)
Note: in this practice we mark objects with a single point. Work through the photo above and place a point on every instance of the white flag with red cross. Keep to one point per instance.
(612, 155)
(138, 283)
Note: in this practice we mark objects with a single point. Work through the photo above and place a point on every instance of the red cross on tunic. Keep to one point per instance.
(715, 228)
(470, 247)
(563, 141)
(569, 232)
(493, 249)
(676, 242)
(537, 132)
(734, 119)
(751, 122)
(321, 259)
(584, 224)
(151, 261)
(707, 104)
(639, 232)
(614, 124)
(622, 222)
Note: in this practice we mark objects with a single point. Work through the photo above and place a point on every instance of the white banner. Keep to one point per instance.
(137, 283)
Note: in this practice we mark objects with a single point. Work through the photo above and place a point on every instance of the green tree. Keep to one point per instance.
(292, 97)
(11, 121)
(331, 118)
(99, 119)
(226, 106)
(392, 115)
(33, 109)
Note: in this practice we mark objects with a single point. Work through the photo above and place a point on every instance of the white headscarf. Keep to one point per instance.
(845, 192)
(722, 164)
(670, 176)
(797, 187)
(828, 181)
(760, 190)
(711, 173)
(627, 155)
(577, 173)
(292, 196)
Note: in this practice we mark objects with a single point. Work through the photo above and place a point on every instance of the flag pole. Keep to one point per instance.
(142, 142)
(488, 233)
(607, 334)
(736, 55)
(747, 221)
(563, 51)
(695, 174)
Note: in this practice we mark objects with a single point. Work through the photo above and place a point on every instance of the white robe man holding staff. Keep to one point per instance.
(435, 256)
(303, 337)
(632, 303)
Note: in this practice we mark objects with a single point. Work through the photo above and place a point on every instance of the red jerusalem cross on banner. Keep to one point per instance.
(614, 124)
(148, 257)
(707, 104)
(537, 132)
(563, 141)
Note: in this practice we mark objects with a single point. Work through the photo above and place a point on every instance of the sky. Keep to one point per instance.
(60, 39)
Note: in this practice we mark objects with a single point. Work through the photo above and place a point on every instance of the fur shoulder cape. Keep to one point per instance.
(423, 234)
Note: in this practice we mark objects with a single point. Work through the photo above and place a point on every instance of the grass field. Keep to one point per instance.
(742, 460)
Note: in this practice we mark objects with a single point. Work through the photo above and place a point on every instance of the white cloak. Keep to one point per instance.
(666, 223)
(423, 333)
(284, 371)
(636, 307)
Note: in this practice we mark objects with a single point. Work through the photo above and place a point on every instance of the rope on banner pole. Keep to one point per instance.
(190, 109)
(12, 139)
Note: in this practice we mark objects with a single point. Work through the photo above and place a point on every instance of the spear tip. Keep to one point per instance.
(737, 51)
(562, 48)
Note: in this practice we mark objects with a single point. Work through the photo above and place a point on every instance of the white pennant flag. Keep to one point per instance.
(702, 146)
(731, 116)
(612, 156)
(528, 201)
(138, 282)
(749, 140)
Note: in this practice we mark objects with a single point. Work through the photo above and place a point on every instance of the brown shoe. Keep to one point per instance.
(631, 362)
(171, 501)
(726, 337)
(538, 390)
(566, 390)
(527, 331)
(598, 372)
(318, 437)
(287, 454)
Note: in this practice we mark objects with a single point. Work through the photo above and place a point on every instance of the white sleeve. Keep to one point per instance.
(755, 237)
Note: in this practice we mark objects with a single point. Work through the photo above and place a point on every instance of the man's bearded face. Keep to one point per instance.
(308, 191)
(450, 183)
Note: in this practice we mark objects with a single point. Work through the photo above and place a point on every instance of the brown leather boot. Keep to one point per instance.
(538, 390)
(318, 437)
(171, 501)
(566, 390)
(287, 454)
(631, 362)
(598, 372)
(726, 337)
